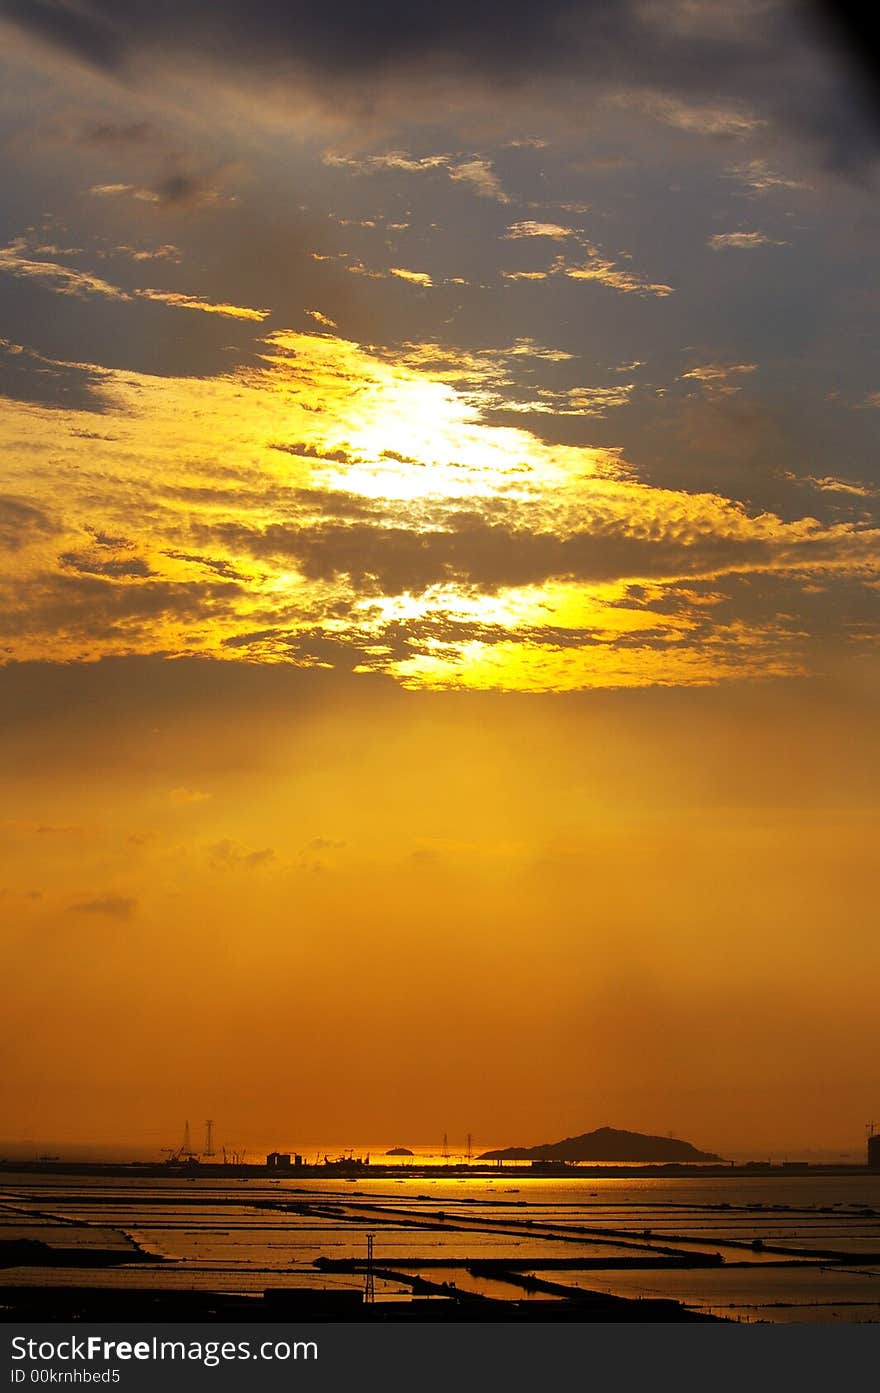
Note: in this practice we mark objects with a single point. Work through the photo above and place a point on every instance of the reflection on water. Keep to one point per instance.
(804, 1248)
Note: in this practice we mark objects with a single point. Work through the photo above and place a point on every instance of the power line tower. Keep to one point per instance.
(186, 1149)
(369, 1282)
(469, 1149)
(209, 1137)
(445, 1152)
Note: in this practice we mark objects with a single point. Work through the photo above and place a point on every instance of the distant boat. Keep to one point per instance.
(347, 1161)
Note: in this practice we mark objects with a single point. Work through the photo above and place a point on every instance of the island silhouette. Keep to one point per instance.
(605, 1144)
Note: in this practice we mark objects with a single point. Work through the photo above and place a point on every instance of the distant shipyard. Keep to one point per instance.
(605, 1151)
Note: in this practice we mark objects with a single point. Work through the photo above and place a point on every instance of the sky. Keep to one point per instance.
(438, 572)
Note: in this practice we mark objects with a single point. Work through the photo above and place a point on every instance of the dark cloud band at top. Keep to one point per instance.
(756, 56)
(618, 38)
(345, 35)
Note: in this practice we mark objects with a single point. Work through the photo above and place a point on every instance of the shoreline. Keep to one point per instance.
(154, 1170)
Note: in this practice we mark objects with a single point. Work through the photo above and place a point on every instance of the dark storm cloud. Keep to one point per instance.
(22, 522)
(26, 376)
(835, 608)
(343, 36)
(335, 503)
(94, 607)
(849, 25)
(763, 56)
(179, 189)
(472, 551)
(211, 563)
(133, 567)
(305, 451)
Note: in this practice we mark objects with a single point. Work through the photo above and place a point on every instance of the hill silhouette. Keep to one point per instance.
(605, 1144)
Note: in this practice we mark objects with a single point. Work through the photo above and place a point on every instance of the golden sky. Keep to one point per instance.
(438, 574)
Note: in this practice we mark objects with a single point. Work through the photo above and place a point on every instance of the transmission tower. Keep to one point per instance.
(369, 1283)
(469, 1150)
(186, 1149)
(209, 1137)
(445, 1152)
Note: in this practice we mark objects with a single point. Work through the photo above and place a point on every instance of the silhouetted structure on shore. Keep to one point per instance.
(605, 1144)
(433, 1302)
(361, 1168)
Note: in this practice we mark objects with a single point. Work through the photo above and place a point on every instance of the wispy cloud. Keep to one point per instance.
(743, 241)
(67, 280)
(829, 483)
(199, 302)
(416, 277)
(174, 190)
(481, 177)
(529, 228)
(720, 378)
(716, 119)
(165, 252)
(599, 268)
(474, 170)
(615, 277)
(760, 177)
